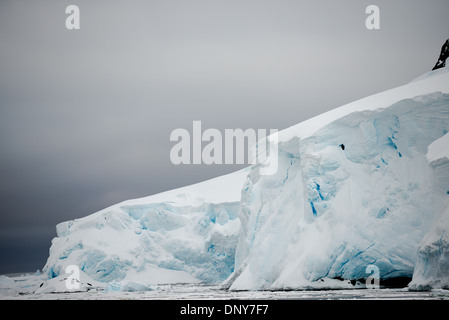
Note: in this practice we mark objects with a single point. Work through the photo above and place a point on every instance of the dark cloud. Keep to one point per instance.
(86, 115)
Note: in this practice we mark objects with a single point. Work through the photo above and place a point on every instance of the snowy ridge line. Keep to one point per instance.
(216, 190)
(435, 81)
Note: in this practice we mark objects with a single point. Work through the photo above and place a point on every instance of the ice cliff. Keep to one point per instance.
(183, 235)
(356, 186)
(432, 268)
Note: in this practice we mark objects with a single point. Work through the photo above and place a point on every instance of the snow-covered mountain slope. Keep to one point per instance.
(183, 235)
(354, 188)
(433, 81)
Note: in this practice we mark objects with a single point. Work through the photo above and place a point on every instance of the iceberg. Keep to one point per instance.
(362, 185)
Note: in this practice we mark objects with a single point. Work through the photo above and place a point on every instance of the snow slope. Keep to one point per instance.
(354, 188)
(433, 81)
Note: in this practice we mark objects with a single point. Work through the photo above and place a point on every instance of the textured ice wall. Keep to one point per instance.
(432, 267)
(357, 192)
(150, 240)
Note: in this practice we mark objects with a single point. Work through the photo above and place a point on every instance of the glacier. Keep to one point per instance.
(363, 184)
(186, 235)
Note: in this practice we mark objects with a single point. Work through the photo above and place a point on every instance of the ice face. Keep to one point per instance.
(329, 212)
(432, 267)
(199, 241)
(184, 235)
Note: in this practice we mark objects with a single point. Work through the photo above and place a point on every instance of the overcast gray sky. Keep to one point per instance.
(86, 115)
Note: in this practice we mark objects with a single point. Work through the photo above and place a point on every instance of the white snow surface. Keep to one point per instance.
(434, 81)
(354, 188)
(439, 150)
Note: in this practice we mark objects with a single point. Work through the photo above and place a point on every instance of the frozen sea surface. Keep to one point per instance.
(23, 288)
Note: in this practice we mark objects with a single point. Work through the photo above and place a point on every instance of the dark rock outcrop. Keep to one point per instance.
(441, 63)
